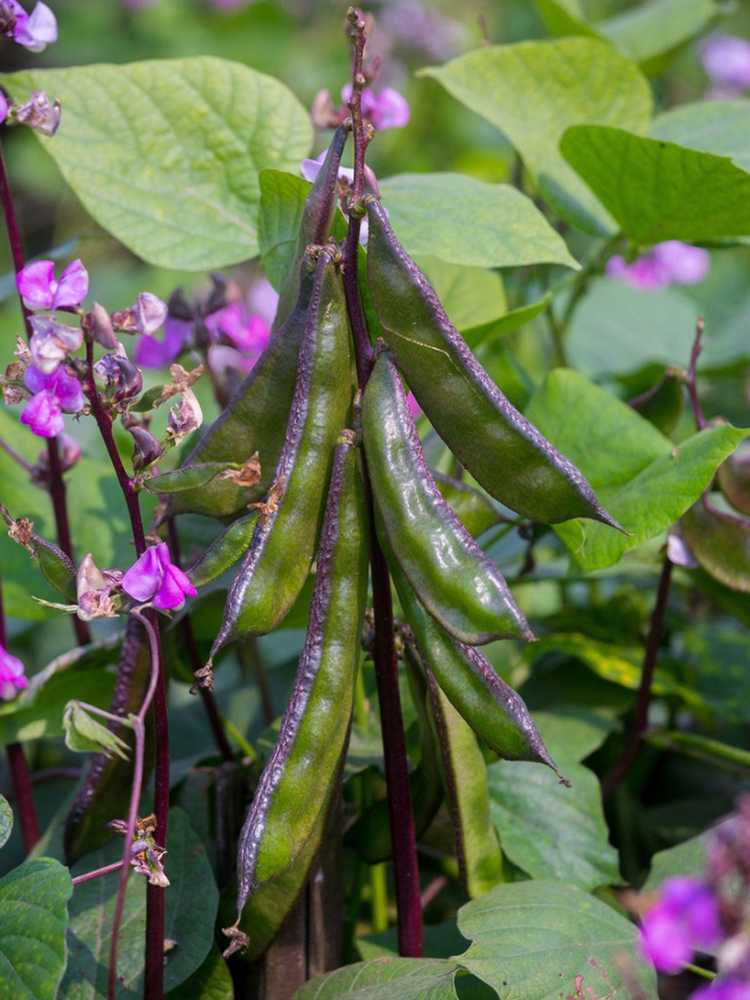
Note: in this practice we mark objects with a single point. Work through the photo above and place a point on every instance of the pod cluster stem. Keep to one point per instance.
(406, 868)
(56, 480)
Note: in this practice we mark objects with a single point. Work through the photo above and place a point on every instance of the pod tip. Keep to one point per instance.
(605, 517)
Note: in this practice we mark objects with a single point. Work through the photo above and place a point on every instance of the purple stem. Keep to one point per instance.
(643, 700)
(18, 459)
(97, 873)
(55, 481)
(700, 420)
(403, 835)
(207, 696)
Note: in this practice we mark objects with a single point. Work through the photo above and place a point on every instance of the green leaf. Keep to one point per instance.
(551, 831)
(533, 91)
(573, 733)
(213, 981)
(282, 200)
(429, 213)
(470, 295)
(657, 190)
(84, 734)
(488, 333)
(33, 920)
(642, 479)
(565, 17)
(166, 154)
(384, 979)
(721, 127)
(535, 939)
(714, 657)
(192, 901)
(6, 820)
(687, 858)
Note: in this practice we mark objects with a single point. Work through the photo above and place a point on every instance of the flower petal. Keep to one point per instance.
(145, 576)
(43, 415)
(73, 286)
(169, 596)
(37, 285)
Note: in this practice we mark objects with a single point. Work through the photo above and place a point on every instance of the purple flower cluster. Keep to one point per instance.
(386, 109)
(418, 26)
(726, 60)
(713, 912)
(35, 31)
(12, 676)
(668, 263)
(154, 577)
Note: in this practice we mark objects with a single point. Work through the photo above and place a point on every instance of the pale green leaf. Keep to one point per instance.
(642, 479)
(6, 820)
(658, 190)
(33, 920)
(721, 127)
(385, 979)
(85, 734)
(573, 733)
(282, 200)
(687, 858)
(191, 900)
(533, 91)
(551, 831)
(487, 333)
(542, 940)
(471, 296)
(429, 213)
(166, 154)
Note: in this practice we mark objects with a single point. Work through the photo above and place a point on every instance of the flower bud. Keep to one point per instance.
(179, 306)
(146, 316)
(38, 113)
(147, 448)
(98, 323)
(122, 378)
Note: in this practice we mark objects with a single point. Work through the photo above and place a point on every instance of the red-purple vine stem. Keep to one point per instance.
(56, 482)
(403, 835)
(155, 911)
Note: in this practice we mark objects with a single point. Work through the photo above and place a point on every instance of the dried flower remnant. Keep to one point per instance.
(668, 263)
(12, 675)
(153, 577)
(34, 31)
(38, 113)
(247, 475)
(96, 590)
(147, 857)
(184, 418)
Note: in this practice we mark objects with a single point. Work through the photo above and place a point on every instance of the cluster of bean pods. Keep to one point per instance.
(301, 412)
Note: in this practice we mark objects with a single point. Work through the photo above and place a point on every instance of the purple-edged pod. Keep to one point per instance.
(464, 773)
(455, 580)
(720, 542)
(506, 454)
(734, 478)
(497, 714)
(283, 544)
(299, 779)
(256, 416)
(224, 550)
(103, 794)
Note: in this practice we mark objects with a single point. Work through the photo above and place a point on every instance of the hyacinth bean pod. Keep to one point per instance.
(224, 551)
(504, 452)
(734, 479)
(283, 544)
(464, 772)
(100, 797)
(496, 713)
(299, 779)
(256, 416)
(456, 581)
(720, 541)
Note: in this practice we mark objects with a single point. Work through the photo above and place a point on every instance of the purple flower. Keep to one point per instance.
(263, 300)
(150, 352)
(51, 342)
(12, 677)
(671, 262)
(248, 333)
(41, 290)
(388, 109)
(35, 31)
(53, 393)
(728, 989)
(685, 918)
(3, 107)
(726, 60)
(311, 168)
(153, 577)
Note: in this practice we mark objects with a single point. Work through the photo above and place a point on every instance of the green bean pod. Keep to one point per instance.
(720, 541)
(299, 779)
(56, 567)
(495, 712)
(506, 454)
(256, 416)
(464, 771)
(456, 581)
(283, 544)
(224, 551)
(734, 479)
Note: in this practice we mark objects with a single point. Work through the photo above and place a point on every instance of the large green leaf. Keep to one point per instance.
(192, 901)
(543, 940)
(551, 831)
(213, 981)
(385, 979)
(658, 190)
(429, 213)
(472, 296)
(282, 199)
(721, 127)
(533, 91)
(166, 154)
(714, 657)
(6, 820)
(687, 858)
(33, 920)
(640, 476)
(573, 733)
